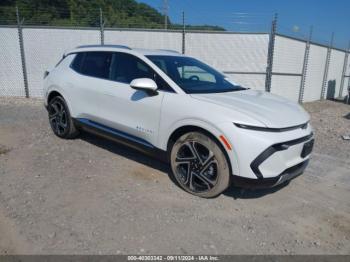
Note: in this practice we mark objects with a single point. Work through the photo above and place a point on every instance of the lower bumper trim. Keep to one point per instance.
(286, 175)
(275, 148)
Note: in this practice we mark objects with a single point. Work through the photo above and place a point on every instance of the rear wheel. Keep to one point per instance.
(199, 165)
(60, 120)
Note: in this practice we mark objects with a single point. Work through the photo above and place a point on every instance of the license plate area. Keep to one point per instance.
(307, 149)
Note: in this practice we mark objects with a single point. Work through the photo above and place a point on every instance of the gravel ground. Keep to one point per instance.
(91, 196)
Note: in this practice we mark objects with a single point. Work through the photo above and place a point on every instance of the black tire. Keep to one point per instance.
(60, 119)
(199, 165)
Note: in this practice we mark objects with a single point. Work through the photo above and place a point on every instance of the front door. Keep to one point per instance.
(133, 112)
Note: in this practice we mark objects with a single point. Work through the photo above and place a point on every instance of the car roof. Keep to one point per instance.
(123, 48)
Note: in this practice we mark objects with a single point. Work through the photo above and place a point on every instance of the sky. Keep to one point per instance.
(294, 17)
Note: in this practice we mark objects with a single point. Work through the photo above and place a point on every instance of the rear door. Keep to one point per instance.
(92, 71)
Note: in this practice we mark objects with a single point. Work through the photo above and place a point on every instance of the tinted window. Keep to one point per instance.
(96, 64)
(193, 76)
(162, 84)
(126, 68)
(76, 65)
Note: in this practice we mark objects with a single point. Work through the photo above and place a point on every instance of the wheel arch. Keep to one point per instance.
(52, 95)
(178, 132)
(57, 92)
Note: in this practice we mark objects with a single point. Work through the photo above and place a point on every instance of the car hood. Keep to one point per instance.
(271, 110)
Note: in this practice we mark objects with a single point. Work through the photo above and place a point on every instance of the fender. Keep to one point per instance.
(59, 90)
(232, 154)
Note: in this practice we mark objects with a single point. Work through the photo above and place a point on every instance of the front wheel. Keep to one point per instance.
(60, 120)
(199, 165)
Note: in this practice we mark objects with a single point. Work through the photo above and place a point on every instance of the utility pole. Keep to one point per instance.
(165, 12)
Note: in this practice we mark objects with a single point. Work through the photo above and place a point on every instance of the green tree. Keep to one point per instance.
(117, 13)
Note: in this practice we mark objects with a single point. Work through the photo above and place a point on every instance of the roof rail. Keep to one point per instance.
(115, 46)
(169, 50)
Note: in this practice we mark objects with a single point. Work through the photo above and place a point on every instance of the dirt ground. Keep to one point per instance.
(92, 196)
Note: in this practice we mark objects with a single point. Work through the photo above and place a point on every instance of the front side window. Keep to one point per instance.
(192, 75)
(126, 67)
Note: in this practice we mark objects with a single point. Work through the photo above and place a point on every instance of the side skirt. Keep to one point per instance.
(121, 138)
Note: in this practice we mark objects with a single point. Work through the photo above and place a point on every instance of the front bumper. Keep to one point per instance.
(274, 154)
(287, 175)
(265, 159)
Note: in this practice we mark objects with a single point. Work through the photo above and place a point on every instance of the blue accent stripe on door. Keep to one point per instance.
(115, 132)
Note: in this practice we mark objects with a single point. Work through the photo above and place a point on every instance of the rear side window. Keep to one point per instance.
(95, 64)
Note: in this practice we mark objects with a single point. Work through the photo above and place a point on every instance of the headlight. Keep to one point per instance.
(271, 129)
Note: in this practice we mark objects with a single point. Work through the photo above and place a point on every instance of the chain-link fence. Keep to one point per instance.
(298, 69)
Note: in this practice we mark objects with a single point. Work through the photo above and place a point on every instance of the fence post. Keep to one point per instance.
(326, 68)
(183, 33)
(305, 64)
(348, 89)
(102, 25)
(21, 47)
(342, 82)
(270, 54)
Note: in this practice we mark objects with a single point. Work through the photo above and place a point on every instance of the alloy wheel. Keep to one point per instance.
(196, 167)
(58, 117)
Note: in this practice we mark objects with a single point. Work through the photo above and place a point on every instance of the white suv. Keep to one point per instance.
(211, 130)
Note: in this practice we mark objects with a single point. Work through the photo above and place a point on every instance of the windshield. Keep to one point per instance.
(192, 75)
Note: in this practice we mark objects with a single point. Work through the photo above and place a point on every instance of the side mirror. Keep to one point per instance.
(145, 84)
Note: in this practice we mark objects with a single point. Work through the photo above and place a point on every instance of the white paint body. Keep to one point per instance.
(155, 118)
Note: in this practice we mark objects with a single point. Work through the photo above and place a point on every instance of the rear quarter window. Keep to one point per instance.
(77, 62)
